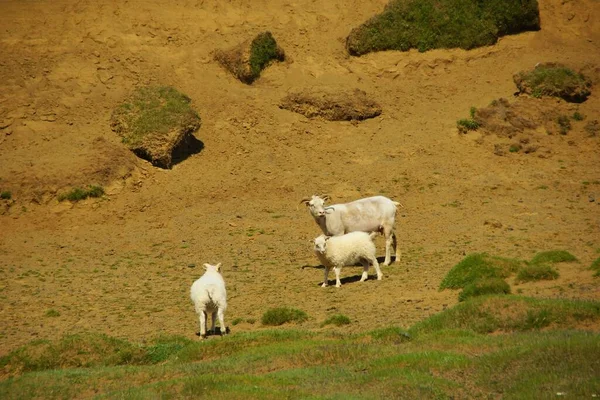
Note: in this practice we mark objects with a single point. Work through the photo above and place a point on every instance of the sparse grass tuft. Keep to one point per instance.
(465, 125)
(77, 194)
(337, 320)
(52, 313)
(477, 266)
(282, 315)
(5, 195)
(596, 266)
(553, 256)
(431, 24)
(577, 116)
(536, 272)
(564, 124)
(483, 287)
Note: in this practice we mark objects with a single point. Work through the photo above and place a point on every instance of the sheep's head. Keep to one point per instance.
(212, 268)
(316, 205)
(321, 243)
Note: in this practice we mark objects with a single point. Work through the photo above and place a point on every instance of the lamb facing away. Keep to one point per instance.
(348, 249)
(209, 296)
(371, 214)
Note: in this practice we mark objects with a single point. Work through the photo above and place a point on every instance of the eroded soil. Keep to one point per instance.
(123, 264)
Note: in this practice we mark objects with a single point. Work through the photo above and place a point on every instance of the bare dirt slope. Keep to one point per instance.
(123, 264)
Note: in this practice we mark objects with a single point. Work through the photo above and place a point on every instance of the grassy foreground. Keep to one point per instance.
(445, 356)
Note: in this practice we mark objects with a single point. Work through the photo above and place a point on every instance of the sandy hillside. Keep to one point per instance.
(123, 264)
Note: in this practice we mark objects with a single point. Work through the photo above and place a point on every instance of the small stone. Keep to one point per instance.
(191, 265)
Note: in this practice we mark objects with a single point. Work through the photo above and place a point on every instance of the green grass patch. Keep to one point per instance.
(442, 357)
(550, 79)
(483, 287)
(465, 125)
(432, 24)
(152, 110)
(477, 266)
(52, 313)
(553, 256)
(536, 272)
(564, 124)
(263, 50)
(282, 315)
(577, 116)
(77, 194)
(5, 195)
(337, 320)
(510, 313)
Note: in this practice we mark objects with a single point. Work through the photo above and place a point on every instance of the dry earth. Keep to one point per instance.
(123, 264)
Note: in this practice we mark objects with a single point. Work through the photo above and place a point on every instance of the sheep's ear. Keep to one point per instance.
(327, 238)
(218, 267)
(206, 266)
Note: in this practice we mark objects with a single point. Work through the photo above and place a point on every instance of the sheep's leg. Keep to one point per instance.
(377, 269)
(388, 233)
(221, 314)
(365, 274)
(325, 282)
(396, 248)
(214, 318)
(337, 270)
(202, 316)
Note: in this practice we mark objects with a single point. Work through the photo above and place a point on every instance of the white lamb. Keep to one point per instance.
(348, 249)
(209, 296)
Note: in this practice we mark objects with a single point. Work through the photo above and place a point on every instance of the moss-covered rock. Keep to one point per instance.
(431, 24)
(554, 79)
(157, 123)
(247, 60)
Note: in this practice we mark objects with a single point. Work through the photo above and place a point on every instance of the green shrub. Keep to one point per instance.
(553, 256)
(77, 194)
(536, 272)
(5, 195)
(282, 315)
(484, 286)
(477, 266)
(337, 320)
(465, 125)
(577, 116)
(430, 24)
(263, 50)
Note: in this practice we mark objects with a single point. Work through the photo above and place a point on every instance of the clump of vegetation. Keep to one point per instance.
(157, 123)
(247, 60)
(478, 266)
(553, 256)
(592, 128)
(552, 79)
(5, 195)
(510, 313)
(431, 24)
(536, 272)
(483, 287)
(337, 320)
(77, 194)
(596, 266)
(52, 313)
(263, 50)
(564, 124)
(282, 315)
(577, 116)
(468, 124)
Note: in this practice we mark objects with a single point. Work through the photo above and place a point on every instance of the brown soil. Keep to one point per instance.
(331, 105)
(123, 264)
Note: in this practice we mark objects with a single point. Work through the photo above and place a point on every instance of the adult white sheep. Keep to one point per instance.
(371, 214)
(209, 296)
(348, 249)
